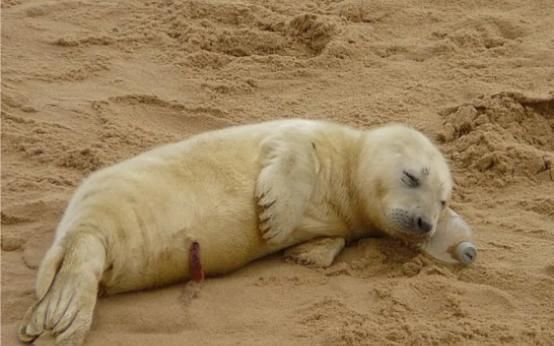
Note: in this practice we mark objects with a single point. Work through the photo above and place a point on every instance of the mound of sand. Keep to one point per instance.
(502, 138)
(87, 83)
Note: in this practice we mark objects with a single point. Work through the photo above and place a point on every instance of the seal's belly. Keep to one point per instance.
(228, 240)
(160, 216)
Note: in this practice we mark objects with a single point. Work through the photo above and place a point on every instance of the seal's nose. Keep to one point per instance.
(423, 225)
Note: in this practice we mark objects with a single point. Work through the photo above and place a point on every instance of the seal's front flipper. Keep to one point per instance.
(452, 241)
(285, 183)
(320, 252)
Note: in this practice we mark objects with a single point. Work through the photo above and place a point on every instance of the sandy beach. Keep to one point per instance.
(87, 83)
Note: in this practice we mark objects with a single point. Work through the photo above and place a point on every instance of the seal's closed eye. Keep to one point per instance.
(410, 179)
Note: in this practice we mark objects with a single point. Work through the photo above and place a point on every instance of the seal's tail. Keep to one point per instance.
(67, 289)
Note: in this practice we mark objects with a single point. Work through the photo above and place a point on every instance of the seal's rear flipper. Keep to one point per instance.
(67, 288)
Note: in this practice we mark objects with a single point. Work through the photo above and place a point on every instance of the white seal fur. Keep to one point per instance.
(241, 192)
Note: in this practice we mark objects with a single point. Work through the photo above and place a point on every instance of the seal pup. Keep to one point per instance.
(212, 203)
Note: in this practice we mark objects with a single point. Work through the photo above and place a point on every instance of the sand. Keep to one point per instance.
(87, 83)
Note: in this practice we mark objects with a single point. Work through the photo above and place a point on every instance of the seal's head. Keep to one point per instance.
(405, 182)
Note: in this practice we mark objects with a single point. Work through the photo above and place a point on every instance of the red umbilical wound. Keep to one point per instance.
(196, 271)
